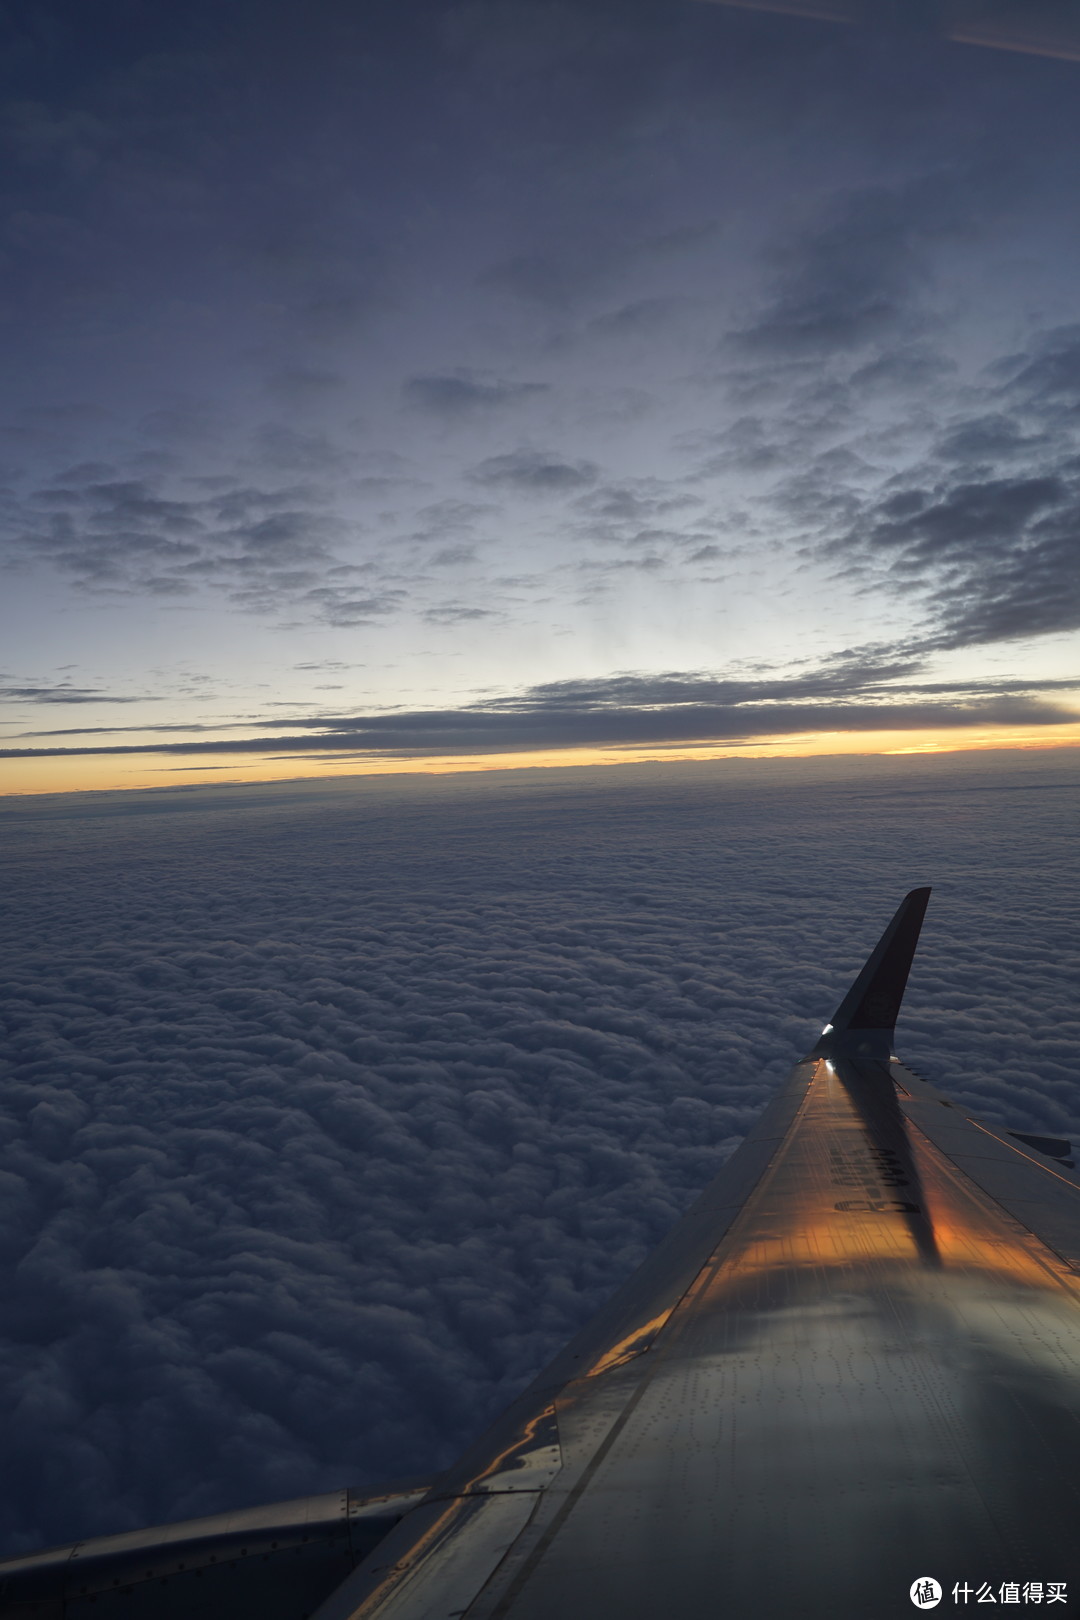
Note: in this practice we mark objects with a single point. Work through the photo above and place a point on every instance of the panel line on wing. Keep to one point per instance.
(1038, 1163)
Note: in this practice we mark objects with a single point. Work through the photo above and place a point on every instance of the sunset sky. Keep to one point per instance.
(404, 393)
(429, 385)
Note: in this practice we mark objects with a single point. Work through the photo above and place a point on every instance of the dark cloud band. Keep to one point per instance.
(465, 731)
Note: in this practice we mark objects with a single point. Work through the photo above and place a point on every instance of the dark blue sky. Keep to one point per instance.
(408, 359)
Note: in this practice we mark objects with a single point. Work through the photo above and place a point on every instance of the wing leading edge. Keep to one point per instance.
(854, 1363)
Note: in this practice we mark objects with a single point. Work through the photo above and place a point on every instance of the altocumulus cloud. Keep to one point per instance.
(536, 472)
(329, 1110)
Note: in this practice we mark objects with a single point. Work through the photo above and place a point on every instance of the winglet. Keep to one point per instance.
(864, 1022)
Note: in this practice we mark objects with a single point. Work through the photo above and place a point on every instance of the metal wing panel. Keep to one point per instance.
(1040, 1192)
(282, 1557)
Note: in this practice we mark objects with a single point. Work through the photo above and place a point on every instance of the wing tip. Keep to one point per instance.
(866, 1018)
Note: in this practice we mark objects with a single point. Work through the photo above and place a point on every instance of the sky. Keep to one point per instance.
(427, 386)
(329, 1110)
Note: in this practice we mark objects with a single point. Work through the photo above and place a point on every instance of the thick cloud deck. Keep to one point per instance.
(330, 1110)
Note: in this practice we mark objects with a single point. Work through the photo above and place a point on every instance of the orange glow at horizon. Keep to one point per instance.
(95, 773)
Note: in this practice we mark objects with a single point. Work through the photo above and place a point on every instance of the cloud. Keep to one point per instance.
(332, 664)
(859, 692)
(465, 392)
(903, 367)
(64, 694)
(988, 441)
(330, 1110)
(456, 613)
(962, 503)
(1047, 376)
(643, 317)
(264, 548)
(536, 472)
(632, 512)
(313, 453)
(98, 731)
(1002, 555)
(341, 604)
(855, 278)
(453, 557)
(441, 520)
(987, 523)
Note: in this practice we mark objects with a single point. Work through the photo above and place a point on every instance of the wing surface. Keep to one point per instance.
(277, 1561)
(855, 1363)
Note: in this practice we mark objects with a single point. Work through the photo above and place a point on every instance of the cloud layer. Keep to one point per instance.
(329, 1111)
(854, 693)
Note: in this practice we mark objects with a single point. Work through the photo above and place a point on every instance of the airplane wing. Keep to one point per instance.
(848, 1380)
(277, 1562)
